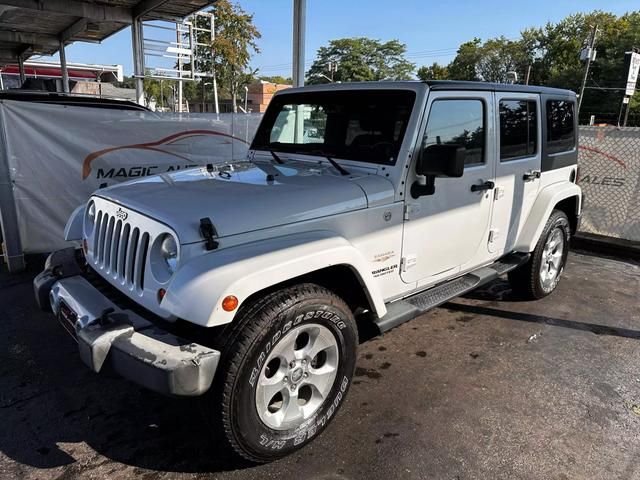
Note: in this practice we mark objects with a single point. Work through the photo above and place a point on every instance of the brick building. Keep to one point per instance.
(261, 93)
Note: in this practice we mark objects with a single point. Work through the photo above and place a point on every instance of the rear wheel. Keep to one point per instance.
(540, 276)
(285, 369)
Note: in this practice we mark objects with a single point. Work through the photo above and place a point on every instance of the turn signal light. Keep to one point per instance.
(229, 303)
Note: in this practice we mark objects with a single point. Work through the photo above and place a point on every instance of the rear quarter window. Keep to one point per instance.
(561, 135)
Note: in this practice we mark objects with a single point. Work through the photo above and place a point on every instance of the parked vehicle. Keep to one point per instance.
(369, 202)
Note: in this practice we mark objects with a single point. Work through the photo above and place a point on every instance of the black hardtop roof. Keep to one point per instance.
(495, 87)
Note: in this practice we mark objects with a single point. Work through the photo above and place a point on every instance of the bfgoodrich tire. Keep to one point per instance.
(286, 366)
(541, 274)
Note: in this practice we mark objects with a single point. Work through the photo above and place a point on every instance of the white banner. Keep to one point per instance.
(634, 69)
(58, 155)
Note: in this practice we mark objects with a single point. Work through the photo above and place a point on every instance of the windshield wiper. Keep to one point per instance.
(337, 166)
(276, 157)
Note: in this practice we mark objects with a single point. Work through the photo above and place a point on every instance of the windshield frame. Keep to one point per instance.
(263, 142)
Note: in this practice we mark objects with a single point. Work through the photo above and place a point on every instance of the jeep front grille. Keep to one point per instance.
(120, 250)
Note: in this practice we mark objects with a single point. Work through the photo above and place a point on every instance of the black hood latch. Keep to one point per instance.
(209, 233)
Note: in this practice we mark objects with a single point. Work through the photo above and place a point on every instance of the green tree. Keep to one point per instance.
(361, 59)
(433, 72)
(463, 67)
(553, 52)
(229, 54)
(159, 90)
(277, 79)
(499, 56)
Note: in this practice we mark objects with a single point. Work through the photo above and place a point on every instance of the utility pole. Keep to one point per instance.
(589, 54)
(528, 75)
(632, 60)
(626, 113)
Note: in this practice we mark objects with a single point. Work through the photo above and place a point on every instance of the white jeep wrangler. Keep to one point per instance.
(369, 202)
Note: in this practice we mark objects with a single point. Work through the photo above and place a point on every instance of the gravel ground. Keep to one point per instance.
(483, 387)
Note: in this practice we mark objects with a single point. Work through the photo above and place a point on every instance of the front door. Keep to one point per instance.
(447, 232)
(517, 169)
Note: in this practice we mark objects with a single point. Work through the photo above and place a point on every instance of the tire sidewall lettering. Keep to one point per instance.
(257, 435)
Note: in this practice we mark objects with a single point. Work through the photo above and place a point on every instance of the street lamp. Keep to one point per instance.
(323, 76)
(203, 85)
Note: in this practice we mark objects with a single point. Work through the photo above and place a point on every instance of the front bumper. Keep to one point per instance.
(109, 336)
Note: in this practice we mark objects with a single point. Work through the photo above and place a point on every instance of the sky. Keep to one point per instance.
(431, 30)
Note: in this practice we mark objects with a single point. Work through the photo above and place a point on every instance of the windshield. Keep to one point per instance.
(362, 125)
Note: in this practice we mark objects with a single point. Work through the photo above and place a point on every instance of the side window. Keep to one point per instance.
(518, 129)
(561, 135)
(458, 122)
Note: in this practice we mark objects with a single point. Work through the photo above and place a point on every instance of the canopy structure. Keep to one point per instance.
(44, 27)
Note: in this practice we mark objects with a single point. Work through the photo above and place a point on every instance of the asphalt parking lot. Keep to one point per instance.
(483, 387)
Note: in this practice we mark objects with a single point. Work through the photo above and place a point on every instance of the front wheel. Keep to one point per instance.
(540, 276)
(285, 370)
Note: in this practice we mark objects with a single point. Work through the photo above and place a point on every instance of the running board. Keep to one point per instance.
(408, 308)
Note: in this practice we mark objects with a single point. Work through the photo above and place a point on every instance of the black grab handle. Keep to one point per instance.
(483, 186)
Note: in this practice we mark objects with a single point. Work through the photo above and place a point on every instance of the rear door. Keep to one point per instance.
(517, 168)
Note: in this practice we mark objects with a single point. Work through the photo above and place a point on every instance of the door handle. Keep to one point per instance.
(482, 186)
(531, 175)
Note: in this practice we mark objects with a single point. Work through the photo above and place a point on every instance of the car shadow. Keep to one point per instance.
(595, 328)
(120, 422)
(57, 413)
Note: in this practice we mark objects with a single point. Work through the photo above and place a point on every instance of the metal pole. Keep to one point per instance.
(14, 256)
(23, 77)
(299, 30)
(299, 21)
(626, 114)
(179, 42)
(138, 65)
(592, 42)
(213, 68)
(63, 69)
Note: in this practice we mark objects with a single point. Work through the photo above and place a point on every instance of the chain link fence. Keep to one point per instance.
(609, 163)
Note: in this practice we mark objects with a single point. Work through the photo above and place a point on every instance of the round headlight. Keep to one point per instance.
(169, 252)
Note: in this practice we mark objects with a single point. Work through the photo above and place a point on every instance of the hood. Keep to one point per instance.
(242, 199)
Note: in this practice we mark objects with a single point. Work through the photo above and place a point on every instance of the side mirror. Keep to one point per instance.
(438, 161)
(442, 161)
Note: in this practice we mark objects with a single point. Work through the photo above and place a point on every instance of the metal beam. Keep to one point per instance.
(23, 77)
(138, 59)
(8, 213)
(146, 6)
(29, 38)
(75, 8)
(63, 69)
(299, 30)
(74, 29)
